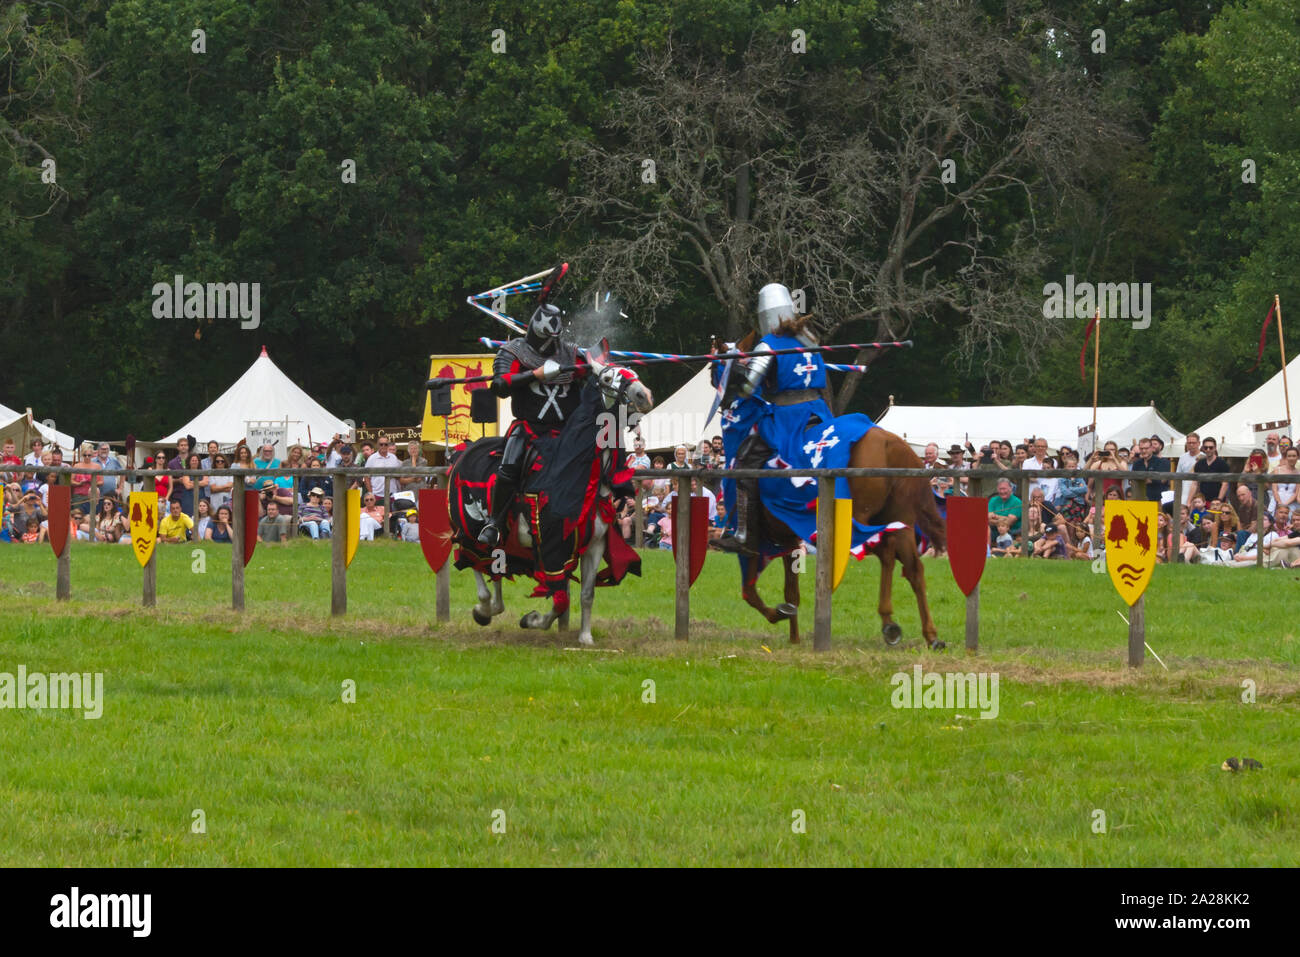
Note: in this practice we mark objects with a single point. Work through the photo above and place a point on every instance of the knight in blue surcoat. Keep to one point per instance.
(780, 419)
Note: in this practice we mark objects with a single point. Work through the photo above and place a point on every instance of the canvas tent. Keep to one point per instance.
(949, 425)
(22, 427)
(679, 419)
(262, 394)
(1235, 426)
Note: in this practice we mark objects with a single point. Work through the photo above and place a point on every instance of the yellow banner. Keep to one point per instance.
(142, 510)
(1130, 546)
(459, 428)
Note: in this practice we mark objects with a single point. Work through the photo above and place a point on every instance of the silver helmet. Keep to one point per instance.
(544, 328)
(774, 307)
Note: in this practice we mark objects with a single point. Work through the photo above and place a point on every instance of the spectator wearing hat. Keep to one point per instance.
(408, 524)
(312, 519)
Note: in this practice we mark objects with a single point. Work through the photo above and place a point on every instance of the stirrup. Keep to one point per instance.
(734, 544)
(489, 535)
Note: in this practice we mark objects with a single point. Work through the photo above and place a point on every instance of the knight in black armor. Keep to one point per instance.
(537, 372)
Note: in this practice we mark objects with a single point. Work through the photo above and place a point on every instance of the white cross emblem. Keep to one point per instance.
(806, 369)
(553, 394)
(822, 443)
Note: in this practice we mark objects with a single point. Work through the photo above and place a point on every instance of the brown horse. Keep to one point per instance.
(876, 501)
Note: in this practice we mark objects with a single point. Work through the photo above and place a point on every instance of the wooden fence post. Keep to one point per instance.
(93, 517)
(1260, 512)
(149, 596)
(1176, 524)
(388, 507)
(1137, 633)
(293, 512)
(973, 620)
(682, 536)
(237, 545)
(1022, 485)
(638, 519)
(339, 547)
(825, 563)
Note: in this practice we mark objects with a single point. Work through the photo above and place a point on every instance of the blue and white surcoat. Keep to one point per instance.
(803, 434)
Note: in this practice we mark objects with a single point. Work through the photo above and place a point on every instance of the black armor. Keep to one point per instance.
(540, 406)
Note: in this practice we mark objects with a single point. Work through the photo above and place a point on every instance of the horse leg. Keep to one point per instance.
(498, 603)
(914, 572)
(792, 596)
(590, 563)
(889, 629)
(483, 610)
(749, 591)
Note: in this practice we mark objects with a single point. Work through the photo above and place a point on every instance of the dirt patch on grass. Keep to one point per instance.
(1193, 678)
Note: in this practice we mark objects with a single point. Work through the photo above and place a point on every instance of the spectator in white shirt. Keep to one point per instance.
(1187, 462)
(383, 459)
(1039, 460)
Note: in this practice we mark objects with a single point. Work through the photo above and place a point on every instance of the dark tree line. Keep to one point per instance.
(917, 169)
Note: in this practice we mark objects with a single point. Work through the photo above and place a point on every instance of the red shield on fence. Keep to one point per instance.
(968, 539)
(60, 514)
(699, 533)
(251, 507)
(435, 527)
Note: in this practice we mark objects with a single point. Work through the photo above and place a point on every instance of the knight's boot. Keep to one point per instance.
(745, 539)
(503, 499)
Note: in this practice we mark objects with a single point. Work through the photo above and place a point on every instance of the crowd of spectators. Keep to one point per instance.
(200, 508)
(1217, 519)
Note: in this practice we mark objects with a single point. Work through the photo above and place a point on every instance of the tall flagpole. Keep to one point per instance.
(1096, 371)
(1281, 344)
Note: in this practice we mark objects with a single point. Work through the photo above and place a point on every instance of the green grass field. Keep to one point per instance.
(243, 718)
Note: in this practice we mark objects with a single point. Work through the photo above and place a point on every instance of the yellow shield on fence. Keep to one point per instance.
(354, 522)
(142, 510)
(1131, 532)
(843, 539)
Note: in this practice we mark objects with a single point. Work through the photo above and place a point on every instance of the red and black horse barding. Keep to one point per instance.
(559, 528)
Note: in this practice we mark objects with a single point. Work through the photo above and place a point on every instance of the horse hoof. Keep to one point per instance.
(938, 645)
(786, 610)
(892, 633)
(480, 618)
(585, 640)
(526, 620)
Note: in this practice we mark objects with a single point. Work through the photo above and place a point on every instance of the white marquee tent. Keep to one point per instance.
(262, 394)
(22, 429)
(1234, 427)
(949, 425)
(679, 419)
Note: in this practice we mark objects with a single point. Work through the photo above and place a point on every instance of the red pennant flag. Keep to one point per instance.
(1087, 334)
(1259, 356)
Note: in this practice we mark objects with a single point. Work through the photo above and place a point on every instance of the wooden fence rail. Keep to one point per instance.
(1020, 478)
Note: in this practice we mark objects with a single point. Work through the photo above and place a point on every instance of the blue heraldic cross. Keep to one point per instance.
(785, 430)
